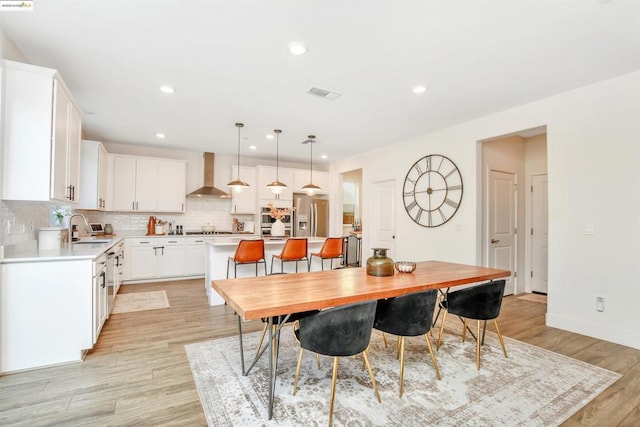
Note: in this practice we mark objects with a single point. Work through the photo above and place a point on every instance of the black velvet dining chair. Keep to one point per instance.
(338, 332)
(408, 316)
(480, 302)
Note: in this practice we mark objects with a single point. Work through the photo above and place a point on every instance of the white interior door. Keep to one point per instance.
(383, 221)
(539, 233)
(502, 224)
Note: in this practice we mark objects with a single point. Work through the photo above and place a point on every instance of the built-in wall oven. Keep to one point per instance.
(266, 222)
(115, 272)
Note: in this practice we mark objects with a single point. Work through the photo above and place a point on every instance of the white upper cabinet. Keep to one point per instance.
(93, 175)
(302, 177)
(266, 175)
(42, 128)
(244, 201)
(146, 184)
(172, 185)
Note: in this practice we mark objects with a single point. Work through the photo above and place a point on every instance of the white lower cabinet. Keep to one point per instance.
(52, 311)
(195, 256)
(156, 258)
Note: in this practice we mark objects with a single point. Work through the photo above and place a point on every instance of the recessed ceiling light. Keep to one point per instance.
(252, 147)
(419, 89)
(324, 156)
(269, 136)
(167, 89)
(160, 135)
(297, 48)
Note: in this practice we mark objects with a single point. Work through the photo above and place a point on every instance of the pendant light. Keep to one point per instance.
(310, 188)
(276, 186)
(238, 184)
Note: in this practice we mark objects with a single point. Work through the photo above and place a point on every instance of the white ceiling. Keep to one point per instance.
(229, 62)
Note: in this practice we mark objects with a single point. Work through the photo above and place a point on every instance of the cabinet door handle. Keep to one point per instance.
(133, 206)
(103, 277)
(136, 205)
(183, 207)
(495, 240)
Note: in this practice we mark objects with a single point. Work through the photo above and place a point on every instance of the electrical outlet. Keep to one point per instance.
(600, 304)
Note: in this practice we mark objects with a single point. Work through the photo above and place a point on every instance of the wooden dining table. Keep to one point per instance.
(262, 297)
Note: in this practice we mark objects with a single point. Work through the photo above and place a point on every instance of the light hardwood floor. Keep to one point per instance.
(138, 372)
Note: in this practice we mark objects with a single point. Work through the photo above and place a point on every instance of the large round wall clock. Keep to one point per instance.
(432, 190)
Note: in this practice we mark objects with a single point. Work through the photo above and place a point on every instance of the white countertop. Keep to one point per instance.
(29, 252)
(232, 241)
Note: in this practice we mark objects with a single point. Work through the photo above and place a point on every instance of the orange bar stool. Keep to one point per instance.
(248, 252)
(294, 250)
(331, 249)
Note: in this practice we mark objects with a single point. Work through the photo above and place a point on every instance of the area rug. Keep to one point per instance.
(532, 387)
(139, 301)
(533, 297)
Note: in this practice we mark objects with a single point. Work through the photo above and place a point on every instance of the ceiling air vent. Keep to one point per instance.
(323, 93)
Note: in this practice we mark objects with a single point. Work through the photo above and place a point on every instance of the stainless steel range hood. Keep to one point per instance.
(208, 189)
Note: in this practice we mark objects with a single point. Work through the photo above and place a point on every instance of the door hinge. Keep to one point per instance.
(515, 274)
(515, 187)
(532, 188)
(515, 231)
(532, 231)
(532, 274)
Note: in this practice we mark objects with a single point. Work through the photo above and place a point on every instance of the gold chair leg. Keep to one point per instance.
(464, 330)
(478, 346)
(401, 363)
(373, 379)
(333, 389)
(384, 338)
(318, 360)
(504, 349)
(398, 348)
(295, 382)
(433, 356)
(444, 318)
(264, 331)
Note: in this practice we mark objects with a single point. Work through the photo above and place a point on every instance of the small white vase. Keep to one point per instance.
(277, 229)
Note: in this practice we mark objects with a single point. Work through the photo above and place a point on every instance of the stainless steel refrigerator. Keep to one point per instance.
(311, 215)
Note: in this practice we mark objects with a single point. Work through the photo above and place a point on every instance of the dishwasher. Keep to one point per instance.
(100, 299)
(115, 271)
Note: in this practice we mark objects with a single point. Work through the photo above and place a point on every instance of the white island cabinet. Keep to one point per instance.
(219, 249)
(54, 304)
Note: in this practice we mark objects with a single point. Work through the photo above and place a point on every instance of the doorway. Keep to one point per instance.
(539, 233)
(510, 164)
(383, 220)
(502, 225)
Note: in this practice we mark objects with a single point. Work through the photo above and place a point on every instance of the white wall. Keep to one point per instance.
(593, 149)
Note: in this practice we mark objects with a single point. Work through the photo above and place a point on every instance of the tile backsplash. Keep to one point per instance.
(22, 219)
(199, 212)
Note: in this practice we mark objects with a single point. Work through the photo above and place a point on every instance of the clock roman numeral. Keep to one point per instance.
(451, 203)
(419, 215)
(428, 161)
(441, 162)
(444, 218)
(449, 174)
(411, 205)
(454, 187)
(418, 169)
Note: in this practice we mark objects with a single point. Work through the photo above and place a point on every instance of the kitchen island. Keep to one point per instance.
(219, 249)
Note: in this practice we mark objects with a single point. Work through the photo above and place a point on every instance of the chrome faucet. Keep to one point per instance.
(86, 224)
